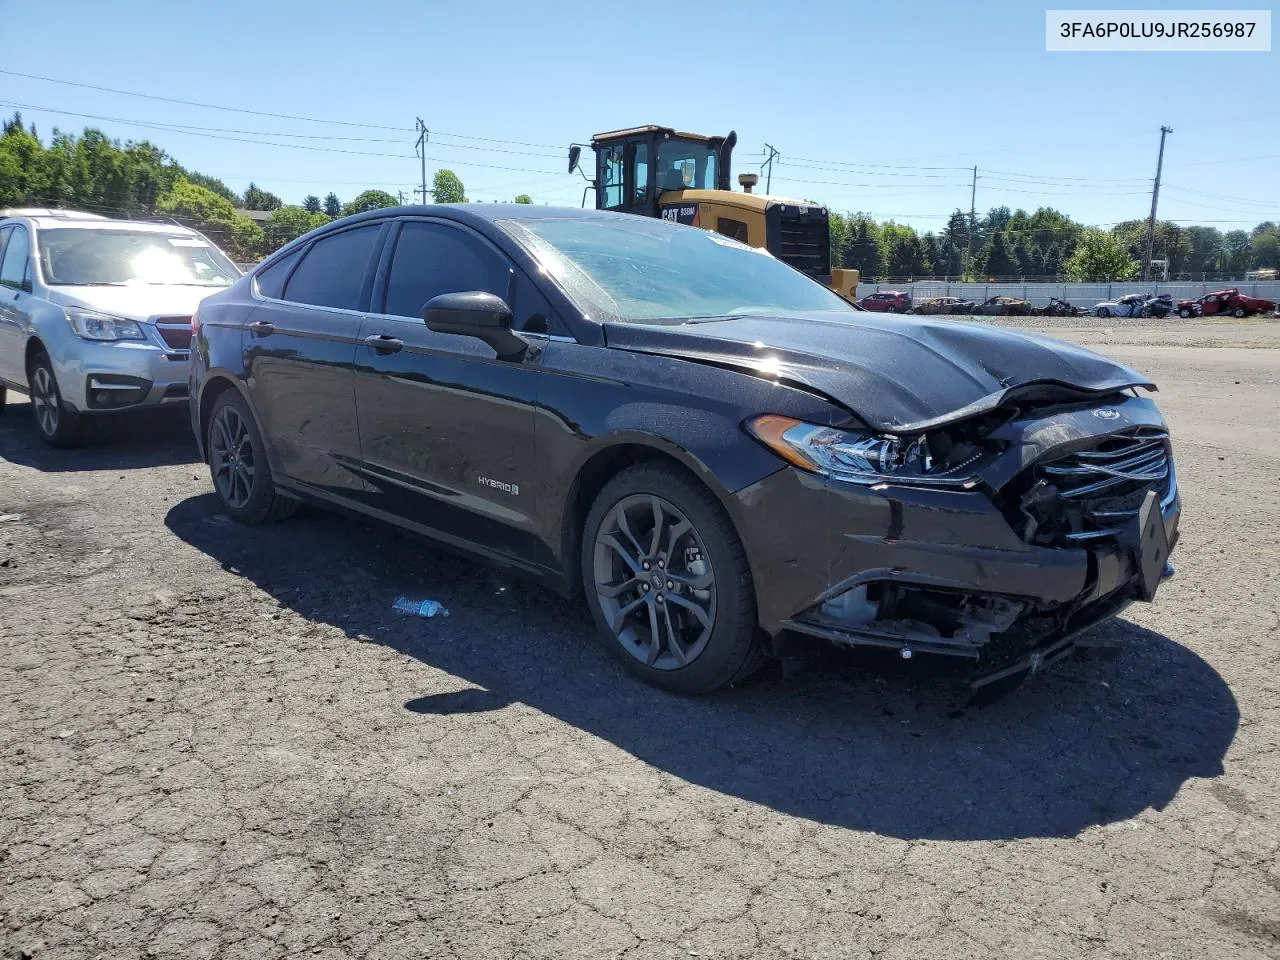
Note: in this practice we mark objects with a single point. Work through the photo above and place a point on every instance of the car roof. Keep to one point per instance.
(133, 226)
(489, 212)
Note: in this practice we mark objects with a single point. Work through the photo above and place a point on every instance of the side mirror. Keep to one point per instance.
(476, 314)
(575, 153)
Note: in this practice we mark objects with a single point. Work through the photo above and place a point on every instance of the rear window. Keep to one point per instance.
(334, 270)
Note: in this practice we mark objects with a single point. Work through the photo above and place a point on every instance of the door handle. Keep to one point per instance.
(261, 328)
(384, 344)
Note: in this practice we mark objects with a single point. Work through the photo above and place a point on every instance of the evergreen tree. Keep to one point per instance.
(332, 205)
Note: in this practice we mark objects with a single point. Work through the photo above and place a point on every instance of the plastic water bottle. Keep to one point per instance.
(420, 608)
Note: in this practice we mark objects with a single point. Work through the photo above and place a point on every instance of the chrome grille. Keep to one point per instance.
(1100, 489)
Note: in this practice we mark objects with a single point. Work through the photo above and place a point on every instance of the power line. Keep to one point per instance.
(196, 103)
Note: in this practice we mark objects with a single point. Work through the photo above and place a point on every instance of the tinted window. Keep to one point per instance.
(14, 267)
(431, 259)
(4, 235)
(271, 280)
(735, 229)
(334, 269)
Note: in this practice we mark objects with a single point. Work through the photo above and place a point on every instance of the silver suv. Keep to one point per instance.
(95, 314)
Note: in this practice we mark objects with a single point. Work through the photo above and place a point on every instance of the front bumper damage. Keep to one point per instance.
(954, 572)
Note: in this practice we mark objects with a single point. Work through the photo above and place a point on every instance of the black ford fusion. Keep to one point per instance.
(721, 454)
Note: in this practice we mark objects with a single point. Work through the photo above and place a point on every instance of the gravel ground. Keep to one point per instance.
(219, 742)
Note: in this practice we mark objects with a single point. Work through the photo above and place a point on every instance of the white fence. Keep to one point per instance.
(1077, 294)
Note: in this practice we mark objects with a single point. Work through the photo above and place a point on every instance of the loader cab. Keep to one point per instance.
(634, 167)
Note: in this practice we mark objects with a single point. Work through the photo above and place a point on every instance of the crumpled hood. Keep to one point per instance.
(893, 372)
(136, 302)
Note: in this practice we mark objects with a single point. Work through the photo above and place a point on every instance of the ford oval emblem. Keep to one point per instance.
(1106, 413)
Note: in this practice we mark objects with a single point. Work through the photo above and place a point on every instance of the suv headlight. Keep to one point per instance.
(856, 456)
(92, 325)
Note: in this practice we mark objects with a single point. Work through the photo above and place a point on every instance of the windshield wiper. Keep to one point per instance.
(718, 318)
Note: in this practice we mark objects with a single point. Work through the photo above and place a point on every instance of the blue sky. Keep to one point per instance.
(874, 107)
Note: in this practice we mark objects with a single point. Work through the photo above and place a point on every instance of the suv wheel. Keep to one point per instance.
(238, 464)
(1239, 312)
(58, 426)
(667, 581)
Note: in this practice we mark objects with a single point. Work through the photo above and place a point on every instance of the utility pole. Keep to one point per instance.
(973, 219)
(420, 148)
(768, 178)
(1155, 197)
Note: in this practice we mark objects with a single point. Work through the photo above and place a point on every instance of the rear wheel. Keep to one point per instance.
(890, 309)
(667, 581)
(238, 464)
(58, 426)
(1239, 312)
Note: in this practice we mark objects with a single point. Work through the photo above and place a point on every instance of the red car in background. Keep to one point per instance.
(887, 301)
(1221, 302)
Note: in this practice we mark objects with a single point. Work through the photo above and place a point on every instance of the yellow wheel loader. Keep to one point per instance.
(656, 171)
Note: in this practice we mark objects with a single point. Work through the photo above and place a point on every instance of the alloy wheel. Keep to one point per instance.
(654, 582)
(45, 400)
(232, 457)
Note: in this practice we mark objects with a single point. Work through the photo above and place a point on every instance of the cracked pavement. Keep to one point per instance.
(220, 742)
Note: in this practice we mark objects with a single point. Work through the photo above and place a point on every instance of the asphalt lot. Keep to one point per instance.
(220, 742)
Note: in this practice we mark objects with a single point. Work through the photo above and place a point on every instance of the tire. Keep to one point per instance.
(238, 465)
(57, 425)
(692, 654)
(1184, 313)
(4, 393)
(1104, 312)
(1239, 313)
(890, 309)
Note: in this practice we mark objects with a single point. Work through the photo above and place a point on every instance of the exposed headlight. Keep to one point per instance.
(100, 326)
(856, 457)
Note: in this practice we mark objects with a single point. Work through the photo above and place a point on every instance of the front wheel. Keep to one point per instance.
(1104, 312)
(238, 464)
(1185, 314)
(58, 425)
(667, 581)
(1239, 313)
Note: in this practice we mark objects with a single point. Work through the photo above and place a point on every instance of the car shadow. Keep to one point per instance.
(125, 441)
(881, 746)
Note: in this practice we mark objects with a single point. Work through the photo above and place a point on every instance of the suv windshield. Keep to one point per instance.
(87, 257)
(640, 270)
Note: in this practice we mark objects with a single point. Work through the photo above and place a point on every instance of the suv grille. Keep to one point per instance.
(1092, 494)
(175, 331)
(806, 244)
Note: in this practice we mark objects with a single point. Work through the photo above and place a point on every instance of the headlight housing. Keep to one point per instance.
(861, 457)
(91, 325)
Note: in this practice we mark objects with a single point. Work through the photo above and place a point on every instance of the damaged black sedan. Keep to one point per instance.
(720, 454)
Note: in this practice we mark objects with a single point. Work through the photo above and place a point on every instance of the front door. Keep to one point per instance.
(446, 428)
(15, 272)
(300, 352)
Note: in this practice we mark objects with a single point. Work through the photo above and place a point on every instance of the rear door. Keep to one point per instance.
(300, 352)
(446, 428)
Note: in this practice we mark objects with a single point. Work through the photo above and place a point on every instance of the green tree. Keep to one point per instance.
(256, 198)
(523, 198)
(332, 205)
(838, 227)
(447, 188)
(1235, 251)
(311, 204)
(864, 249)
(289, 223)
(1000, 260)
(213, 215)
(1052, 262)
(997, 218)
(1100, 256)
(210, 183)
(369, 200)
(1264, 245)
